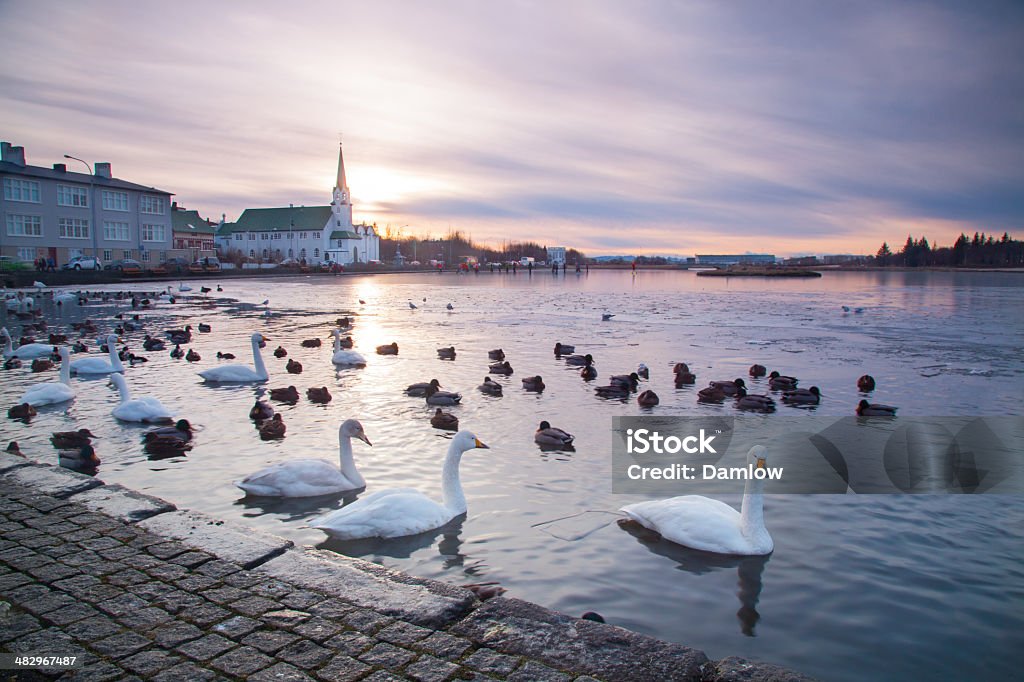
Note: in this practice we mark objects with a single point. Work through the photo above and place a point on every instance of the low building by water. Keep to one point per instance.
(737, 259)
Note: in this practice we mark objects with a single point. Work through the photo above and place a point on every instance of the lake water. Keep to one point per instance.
(881, 587)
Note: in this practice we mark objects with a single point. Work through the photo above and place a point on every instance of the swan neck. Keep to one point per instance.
(348, 463)
(122, 388)
(65, 368)
(752, 509)
(451, 486)
(257, 359)
(337, 341)
(115, 359)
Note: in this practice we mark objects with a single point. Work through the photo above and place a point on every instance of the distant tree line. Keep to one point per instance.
(977, 251)
(456, 245)
(639, 260)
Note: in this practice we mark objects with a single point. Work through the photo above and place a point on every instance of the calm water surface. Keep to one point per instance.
(859, 587)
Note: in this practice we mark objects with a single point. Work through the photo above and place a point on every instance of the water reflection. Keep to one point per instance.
(296, 508)
(748, 570)
(404, 547)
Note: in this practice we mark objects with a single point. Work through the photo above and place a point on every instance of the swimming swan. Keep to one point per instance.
(52, 392)
(311, 477)
(710, 525)
(25, 351)
(397, 512)
(99, 365)
(241, 373)
(138, 409)
(345, 358)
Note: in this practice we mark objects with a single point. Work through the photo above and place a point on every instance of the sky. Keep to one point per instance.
(785, 127)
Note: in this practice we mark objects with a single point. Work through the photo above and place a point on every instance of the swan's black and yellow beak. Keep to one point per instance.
(478, 443)
(760, 462)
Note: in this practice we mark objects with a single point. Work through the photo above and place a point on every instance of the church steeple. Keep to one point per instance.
(341, 186)
(341, 206)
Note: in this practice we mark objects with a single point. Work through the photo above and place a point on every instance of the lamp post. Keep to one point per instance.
(92, 203)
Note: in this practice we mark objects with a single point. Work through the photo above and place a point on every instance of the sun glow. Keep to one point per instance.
(377, 187)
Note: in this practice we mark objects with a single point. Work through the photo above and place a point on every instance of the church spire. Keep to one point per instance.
(341, 185)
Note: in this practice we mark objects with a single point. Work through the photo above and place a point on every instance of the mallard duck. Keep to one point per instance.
(261, 410)
(12, 363)
(866, 409)
(866, 383)
(41, 364)
(803, 396)
(419, 390)
(683, 375)
(180, 335)
(388, 349)
(550, 436)
(607, 316)
(731, 388)
(446, 353)
(134, 359)
(778, 382)
(580, 360)
(711, 394)
(647, 399)
(318, 395)
(436, 397)
(79, 347)
(535, 384)
(344, 321)
(643, 370)
(181, 430)
(293, 366)
(272, 429)
(310, 343)
(204, 328)
(152, 344)
(22, 411)
(496, 354)
(71, 439)
(280, 352)
(82, 456)
(755, 403)
(192, 356)
(177, 352)
(166, 446)
(346, 342)
(285, 395)
(564, 349)
(758, 370)
(588, 372)
(613, 391)
(225, 356)
(627, 381)
(444, 420)
(490, 387)
(500, 368)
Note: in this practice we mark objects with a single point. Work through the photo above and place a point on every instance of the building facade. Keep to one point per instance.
(556, 254)
(314, 234)
(192, 236)
(58, 214)
(736, 259)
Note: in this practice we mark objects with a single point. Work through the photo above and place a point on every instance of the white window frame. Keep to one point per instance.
(115, 201)
(27, 254)
(73, 228)
(239, 236)
(276, 235)
(150, 232)
(72, 196)
(16, 189)
(24, 225)
(264, 237)
(152, 205)
(252, 253)
(108, 255)
(302, 235)
(145, 256)
(117, 228)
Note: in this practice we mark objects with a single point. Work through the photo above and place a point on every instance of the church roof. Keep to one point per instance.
(291, 217)
(345, 234)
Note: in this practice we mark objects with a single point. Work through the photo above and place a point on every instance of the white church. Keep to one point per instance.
(316, 234)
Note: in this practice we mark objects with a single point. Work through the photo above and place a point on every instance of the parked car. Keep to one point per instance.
(127, 266)
(208, 264)
(172, 266)
(82, 263)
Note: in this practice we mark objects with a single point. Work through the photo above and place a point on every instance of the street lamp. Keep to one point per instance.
(92, 205)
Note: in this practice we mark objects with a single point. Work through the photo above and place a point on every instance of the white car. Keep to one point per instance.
(83, 263)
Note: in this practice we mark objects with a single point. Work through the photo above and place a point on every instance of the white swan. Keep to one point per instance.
(311, 477)
(52, 392)
(99, 365)
(184, 287)
(397, 512)
(346, 358)
(26, 351)
(241, 373)
(710, 525)
(138, 409)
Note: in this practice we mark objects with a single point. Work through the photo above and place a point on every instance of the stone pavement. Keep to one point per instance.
(142, 591)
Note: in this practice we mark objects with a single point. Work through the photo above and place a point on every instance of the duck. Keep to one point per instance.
(344, 322)
(485, 591)
(500, 368)
(285, 395)
(181, 430)
(134, 359)
(644, 371)
(12, 363)
(613, 391)
(549, 436)
(398, 512)
(535, 384)
(308, 477)
(607, 316)
(588, 372)
(627, 381)
(293, 366)
(412, 306)
(240, 373)
(27, 351)
(450, 307)
(177, 353)
(758, 370)
(345, 358)
(711, 394)
(318, 395)
(446, 353)
(14, 449)
(82, 456)
(310, 343)
(192, 356)
(563, 349)
(684, 376)
(730, 388)
(436, 397)
(778, 382)
(491, 387)
(647, 399)
(22, 411)
(71, 439)
(272, 429)
(52, 392)
(41, 364)
(420, 390)
(346, 342)
(152, 344)
(496, 354)
(579, 360)
(99, 365)
(260, 411)
(166, 446)
(280, 352)
(146, 409)
(866, 383)
(866, 409)
(180, 335)
(754, 403)
(388, 349)
(803, 396)
(225, 356)
(444, 420)
(202, 326)
(204, 291)
(710, 525)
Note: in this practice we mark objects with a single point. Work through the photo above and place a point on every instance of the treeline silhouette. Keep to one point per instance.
(456, 245)
(977, 251)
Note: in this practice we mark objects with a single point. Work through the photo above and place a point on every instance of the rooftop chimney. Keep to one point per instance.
(103, 170)
(12, 154)
(60, 167)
